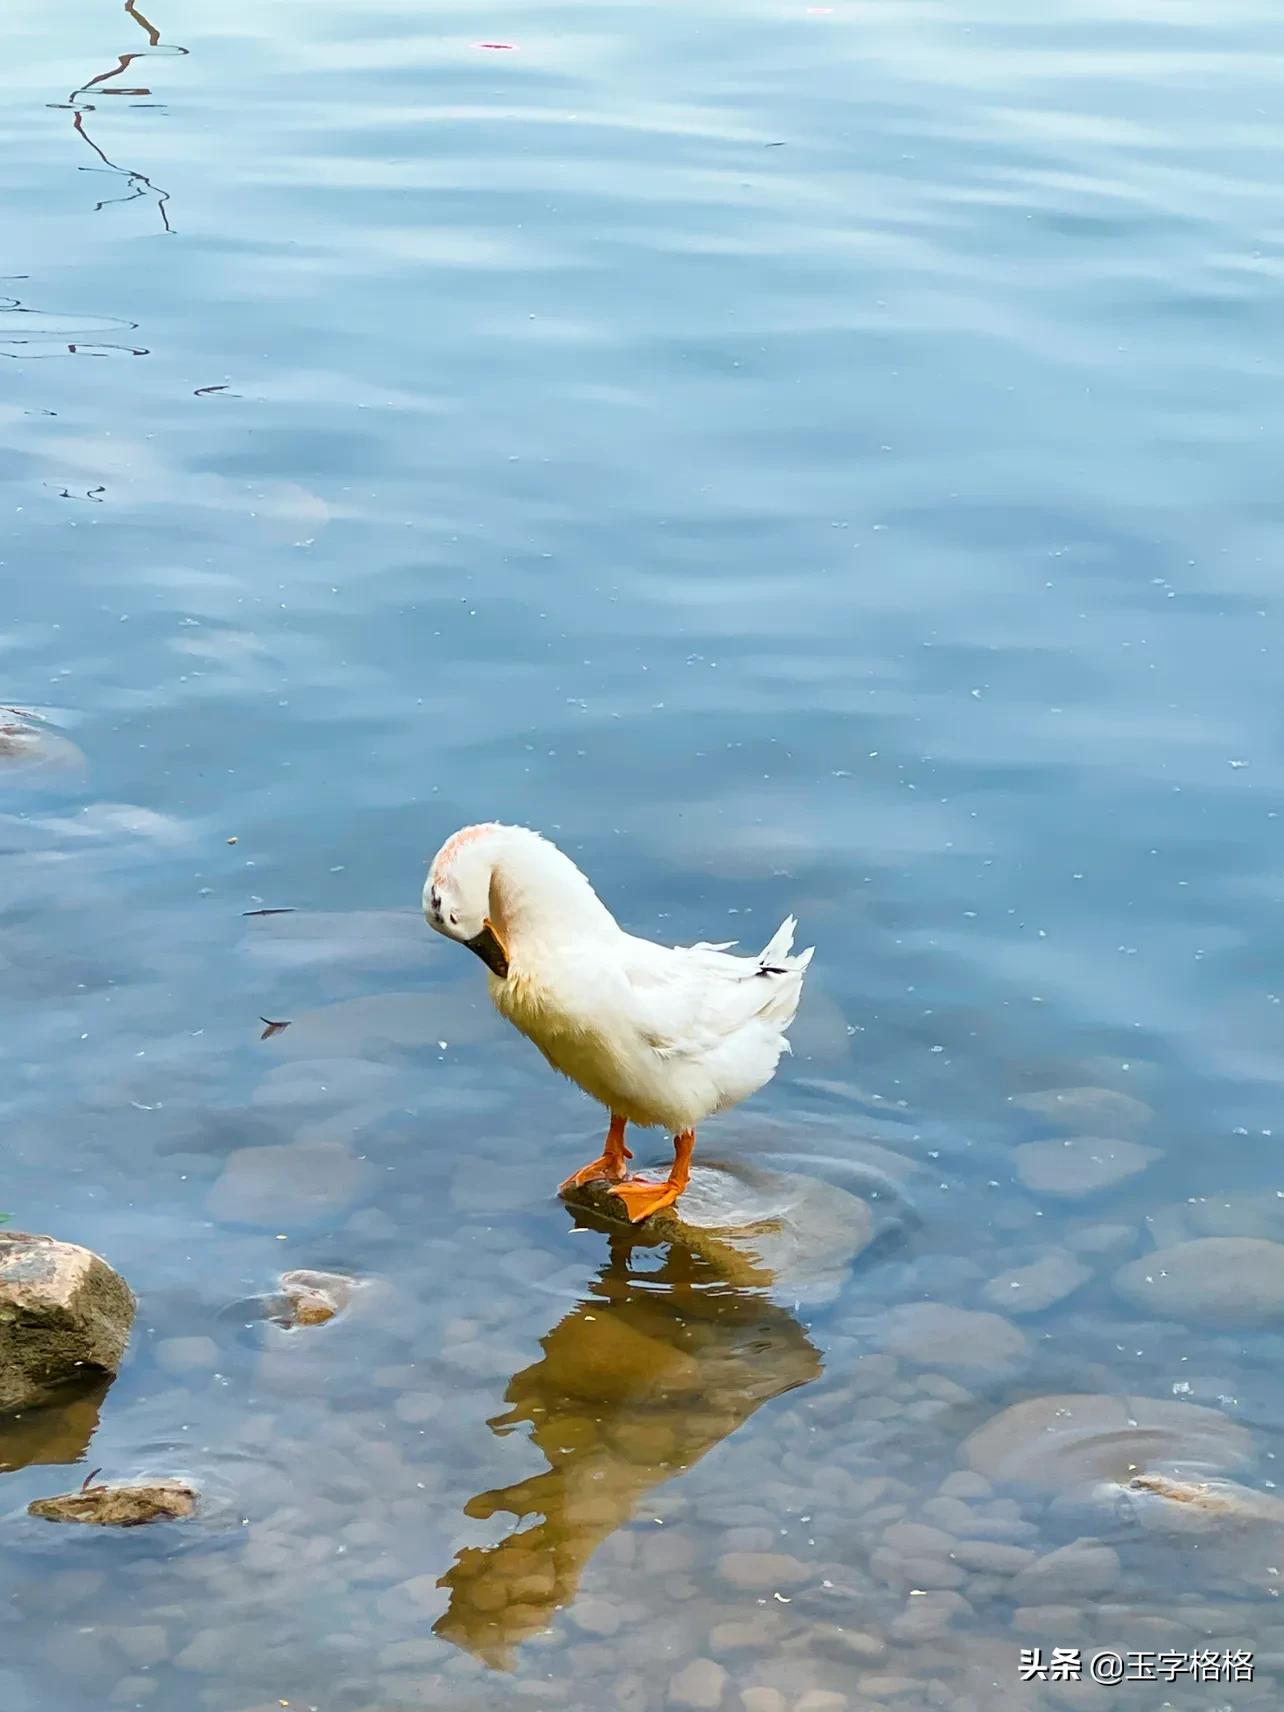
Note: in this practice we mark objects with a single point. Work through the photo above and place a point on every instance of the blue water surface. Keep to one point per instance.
(801, 458)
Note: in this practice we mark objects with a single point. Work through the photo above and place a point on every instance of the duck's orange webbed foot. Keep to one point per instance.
(610, 1167)
(606, 1169)
(642, 1198)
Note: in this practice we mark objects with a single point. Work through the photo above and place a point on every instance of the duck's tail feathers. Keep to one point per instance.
(775, 957)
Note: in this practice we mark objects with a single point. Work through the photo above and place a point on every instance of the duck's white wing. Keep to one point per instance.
(689, 1000)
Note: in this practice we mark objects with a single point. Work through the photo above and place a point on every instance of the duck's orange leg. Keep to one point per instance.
(610, 1166)
(641, 1198)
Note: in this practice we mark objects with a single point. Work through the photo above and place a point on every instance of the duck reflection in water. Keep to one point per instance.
(635, 1384)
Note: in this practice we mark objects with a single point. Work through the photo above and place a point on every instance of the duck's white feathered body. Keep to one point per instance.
(659, 1034)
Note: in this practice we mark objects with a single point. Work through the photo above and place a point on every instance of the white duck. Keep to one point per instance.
(659, 1034)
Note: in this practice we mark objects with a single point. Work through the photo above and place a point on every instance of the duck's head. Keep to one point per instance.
(457, 894)
(505, 892)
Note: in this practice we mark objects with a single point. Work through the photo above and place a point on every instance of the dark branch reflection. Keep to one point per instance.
(137, 184)
(152, 33)
(634, 1386)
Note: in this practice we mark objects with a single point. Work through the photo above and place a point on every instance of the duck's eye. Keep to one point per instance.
(454, 919)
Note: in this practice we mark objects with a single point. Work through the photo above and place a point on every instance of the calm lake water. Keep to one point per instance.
(813, 458)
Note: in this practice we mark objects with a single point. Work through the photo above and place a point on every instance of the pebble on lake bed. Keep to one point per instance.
(1062, 1442)
(698, 1686)
(65, 1315)
(298, 1183)
(119, 1506)
(1084, 1569)
(1226, 1280)
(762, 1572)
(28, 745)
(186, 1355)
(1230, 1215)
(1080, 1165)
(1031, 1289)
(934, 1334)
(763, 1700)
(1075, 1108)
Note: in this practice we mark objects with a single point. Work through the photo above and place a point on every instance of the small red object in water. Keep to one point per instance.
(498, 47)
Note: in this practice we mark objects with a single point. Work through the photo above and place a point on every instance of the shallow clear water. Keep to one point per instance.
(801, 458)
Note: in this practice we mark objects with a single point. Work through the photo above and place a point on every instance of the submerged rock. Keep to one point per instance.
(1101, 1239)
(1077, 1108)
(698, 1687)
(311, 1298)
(1163, 1503)
(763, 1700)
(119, 1506)
(65, 1315)
(762, 1571)
(1031, 1289)
(756, 1227)
(1236, 1531)
(186, 1355)
(1084, 1569)
(32, 749)
(293, 1183)
(1233, 1215)
(1067, 1441)
(933, 1334)
(1080, 1165)
(1227, 1280)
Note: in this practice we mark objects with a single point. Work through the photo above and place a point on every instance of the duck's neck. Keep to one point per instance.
(539, 898)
